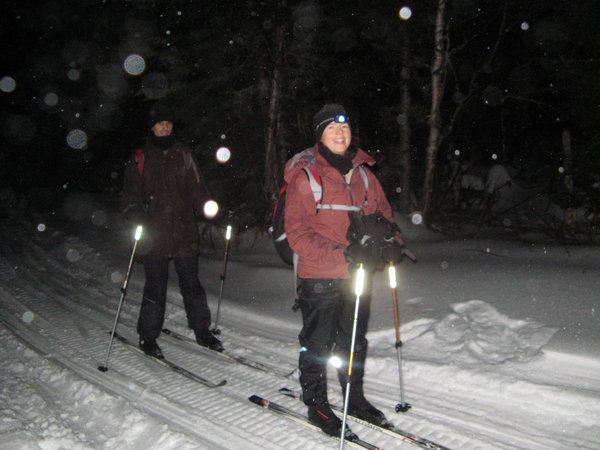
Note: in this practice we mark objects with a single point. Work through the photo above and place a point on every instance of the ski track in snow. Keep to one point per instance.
(64, 312)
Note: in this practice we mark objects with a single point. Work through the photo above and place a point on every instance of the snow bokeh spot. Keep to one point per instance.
(405, 13)
(416, 218)
(111, 81)
(319, 288)
(77, 139)
(223, 154)
(155, 85)
(51, 99)
(7, 84)
(27, 317)
(116, 277)
(73, 74)
(211, 209)
(134, 65)
(99, 218)
(73, 255)
(41, 227)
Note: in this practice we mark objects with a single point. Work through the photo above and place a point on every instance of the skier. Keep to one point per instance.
(163, 189)
(325, 256)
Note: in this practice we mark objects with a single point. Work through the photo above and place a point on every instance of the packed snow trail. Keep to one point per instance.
(63, 308)
(58, 318)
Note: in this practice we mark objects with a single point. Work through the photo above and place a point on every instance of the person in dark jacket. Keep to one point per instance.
(164, 190)
(318, 234)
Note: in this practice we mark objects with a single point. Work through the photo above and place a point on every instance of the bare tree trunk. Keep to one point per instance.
(405, 132)
(570, 211)
(435, 118)
(567, 156)
(272, 163)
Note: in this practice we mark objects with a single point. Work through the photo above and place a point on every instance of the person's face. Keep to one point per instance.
(337, 137)
(164, 128)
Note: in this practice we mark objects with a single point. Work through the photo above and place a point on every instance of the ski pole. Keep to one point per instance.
(402, 406)
(216, 330)
(138, 234)
(358, 288)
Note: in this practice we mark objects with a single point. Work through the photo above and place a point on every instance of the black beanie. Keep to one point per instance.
(160, 114)
(325, 116)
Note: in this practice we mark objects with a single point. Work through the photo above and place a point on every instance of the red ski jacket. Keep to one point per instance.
(318, 237)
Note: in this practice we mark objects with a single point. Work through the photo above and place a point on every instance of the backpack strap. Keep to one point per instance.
(316, 186)
(139, 160)
(190, 164)
(314, 180)
(365, 178)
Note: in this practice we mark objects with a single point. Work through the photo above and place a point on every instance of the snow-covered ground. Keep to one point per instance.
(500, 344)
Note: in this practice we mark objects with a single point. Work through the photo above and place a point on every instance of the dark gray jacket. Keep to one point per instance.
(169, 187)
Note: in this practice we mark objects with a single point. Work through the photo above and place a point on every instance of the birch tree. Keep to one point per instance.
(435, 116)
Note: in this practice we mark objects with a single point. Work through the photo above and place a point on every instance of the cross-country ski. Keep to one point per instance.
(351, 438)
(388, 428)
(171, 365)
(232, 357)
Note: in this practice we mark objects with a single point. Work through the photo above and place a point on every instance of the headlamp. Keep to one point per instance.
(338, 118)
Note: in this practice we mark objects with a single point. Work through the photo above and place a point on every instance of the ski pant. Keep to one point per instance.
(152, 312)
(328, 307)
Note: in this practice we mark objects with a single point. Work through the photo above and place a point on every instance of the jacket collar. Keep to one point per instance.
(361, 157)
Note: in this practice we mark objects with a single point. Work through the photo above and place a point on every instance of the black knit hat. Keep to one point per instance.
(160, 113)
(326, 115)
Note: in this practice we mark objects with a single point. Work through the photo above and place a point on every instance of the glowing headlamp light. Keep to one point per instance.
(338, 118)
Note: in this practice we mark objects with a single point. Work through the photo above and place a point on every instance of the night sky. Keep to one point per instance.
(78, 78)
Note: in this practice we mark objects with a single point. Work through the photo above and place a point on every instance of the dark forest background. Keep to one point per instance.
(458, 88)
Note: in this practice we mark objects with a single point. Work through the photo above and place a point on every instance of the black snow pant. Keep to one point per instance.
(152, 312)
(328, 307)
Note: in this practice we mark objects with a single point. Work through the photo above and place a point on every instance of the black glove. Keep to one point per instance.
(392, 253)
(372, 229)
(369, 235)
(136, 214)
(367, 255)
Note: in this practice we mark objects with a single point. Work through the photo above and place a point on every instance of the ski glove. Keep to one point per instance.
(372, 229)
(367, 255)
(369, 236)
(392, 254)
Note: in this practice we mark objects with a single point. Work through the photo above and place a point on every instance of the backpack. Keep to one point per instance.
(139, 160)
(277, 228)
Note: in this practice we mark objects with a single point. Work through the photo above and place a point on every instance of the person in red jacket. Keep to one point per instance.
(318, 235)
(163, 189)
